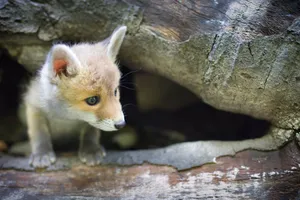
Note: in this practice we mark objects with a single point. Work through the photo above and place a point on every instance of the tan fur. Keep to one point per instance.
(97, 75)
(56, 99)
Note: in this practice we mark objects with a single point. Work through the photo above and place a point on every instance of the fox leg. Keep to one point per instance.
(90, 151)
(42, 154)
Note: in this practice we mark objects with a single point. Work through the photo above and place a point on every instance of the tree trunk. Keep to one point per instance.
(237, 55)
(248, 175)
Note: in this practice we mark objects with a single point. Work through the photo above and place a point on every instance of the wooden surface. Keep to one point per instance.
(231, 53)
(248, 175)
(194, 44)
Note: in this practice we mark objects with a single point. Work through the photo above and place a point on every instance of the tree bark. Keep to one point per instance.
(248, 175)
(236, 55)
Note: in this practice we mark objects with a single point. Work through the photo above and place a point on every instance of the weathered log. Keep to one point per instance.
(237, 55)
(203, 45)
(247, 175)
(245, 64)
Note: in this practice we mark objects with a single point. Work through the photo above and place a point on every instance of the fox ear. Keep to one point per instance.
(63, 60)
(115, 41)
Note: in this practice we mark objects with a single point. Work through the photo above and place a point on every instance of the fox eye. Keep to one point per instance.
(92, 100)
(116, 92)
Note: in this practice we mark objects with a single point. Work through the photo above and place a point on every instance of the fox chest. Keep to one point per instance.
(64, 126)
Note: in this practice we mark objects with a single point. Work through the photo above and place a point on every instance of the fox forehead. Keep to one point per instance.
(97, 70)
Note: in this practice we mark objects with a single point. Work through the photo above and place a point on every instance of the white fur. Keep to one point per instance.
(107, 124)
(43, 95)
(115, 42)
(50, 107)
(43, 92)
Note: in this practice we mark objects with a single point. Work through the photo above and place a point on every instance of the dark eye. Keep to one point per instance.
(92, 100)
(116, 92)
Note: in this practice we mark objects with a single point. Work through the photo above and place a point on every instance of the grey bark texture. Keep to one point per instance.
(236, 55)
(249, 175)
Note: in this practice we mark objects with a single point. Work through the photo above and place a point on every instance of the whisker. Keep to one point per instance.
(127, 87)
(128, 104)
(129, 83)
(130, 73)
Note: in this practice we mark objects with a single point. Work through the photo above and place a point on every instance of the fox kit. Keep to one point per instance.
(77, 90)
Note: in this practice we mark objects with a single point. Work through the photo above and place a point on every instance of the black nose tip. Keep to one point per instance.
(120, 124)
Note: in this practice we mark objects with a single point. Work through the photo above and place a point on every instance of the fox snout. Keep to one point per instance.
(110, 116)
(120, 124)
(109, 124)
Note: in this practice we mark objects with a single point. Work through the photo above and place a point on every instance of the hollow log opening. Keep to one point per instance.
(239, 56)
(159, 112)
(13, 80)
(163, 113)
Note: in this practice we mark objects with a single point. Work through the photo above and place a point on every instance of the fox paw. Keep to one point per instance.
(92, 155)
(42, 160)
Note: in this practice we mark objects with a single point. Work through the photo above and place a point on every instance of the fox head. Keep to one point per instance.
(86, 78)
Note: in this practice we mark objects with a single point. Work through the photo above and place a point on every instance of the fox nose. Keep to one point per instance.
(120, 124)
